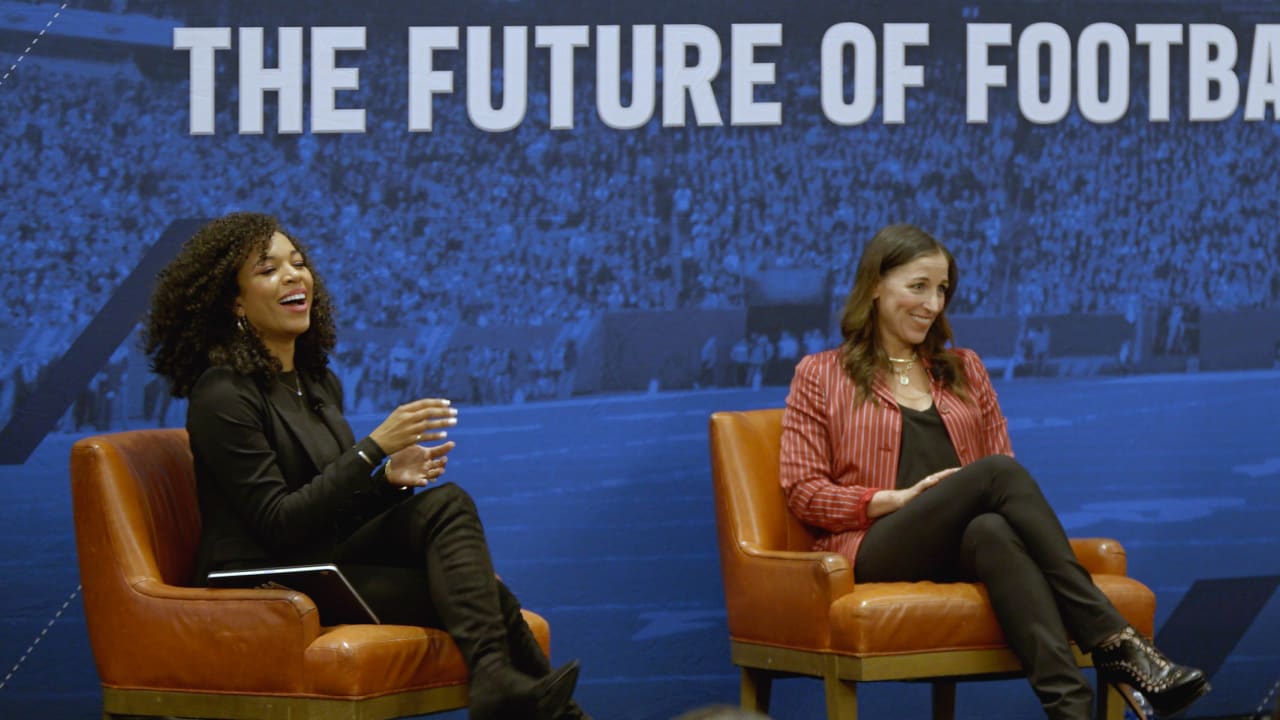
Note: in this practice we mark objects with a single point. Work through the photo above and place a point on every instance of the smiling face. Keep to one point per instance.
(909, 298)
(276, 296)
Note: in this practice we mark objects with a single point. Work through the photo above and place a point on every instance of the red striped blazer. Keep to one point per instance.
(837, 453)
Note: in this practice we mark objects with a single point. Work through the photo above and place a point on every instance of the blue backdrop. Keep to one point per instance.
(590, 255)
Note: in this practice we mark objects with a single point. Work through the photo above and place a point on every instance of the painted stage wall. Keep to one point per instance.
(592, 224)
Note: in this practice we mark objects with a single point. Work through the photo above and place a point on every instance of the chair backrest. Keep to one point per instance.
(137, 520)
(750, 505)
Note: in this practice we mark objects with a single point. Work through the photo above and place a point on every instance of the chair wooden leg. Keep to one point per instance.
(757, 686)
(944, 700)
(1110, 704)
(842, 695)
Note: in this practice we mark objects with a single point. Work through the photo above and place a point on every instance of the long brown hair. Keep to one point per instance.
(861, 353)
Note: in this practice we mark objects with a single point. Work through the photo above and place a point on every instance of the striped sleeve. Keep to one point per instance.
(807, 463)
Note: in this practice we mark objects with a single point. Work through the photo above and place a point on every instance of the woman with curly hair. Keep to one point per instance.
(894, 445)
(242, 326)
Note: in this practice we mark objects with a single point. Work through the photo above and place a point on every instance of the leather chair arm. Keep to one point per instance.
(1101, 556)
(238, 640)
(825, 567)
(261, 612)
(241, 597)
(788, 598)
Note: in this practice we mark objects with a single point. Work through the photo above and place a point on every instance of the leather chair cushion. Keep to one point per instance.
(895, 618)
(368, 660)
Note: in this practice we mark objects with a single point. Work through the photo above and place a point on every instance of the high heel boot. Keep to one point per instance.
(498, 691)
(1131, 663)
(526, 653)
(464, 591)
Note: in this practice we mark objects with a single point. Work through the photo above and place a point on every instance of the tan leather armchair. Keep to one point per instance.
(793, 611)
(165, 649)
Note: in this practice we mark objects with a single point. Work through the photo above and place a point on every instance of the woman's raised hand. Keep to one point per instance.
(416, 466)
(415, 422)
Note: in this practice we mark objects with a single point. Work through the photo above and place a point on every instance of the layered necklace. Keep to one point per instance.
(902, 368)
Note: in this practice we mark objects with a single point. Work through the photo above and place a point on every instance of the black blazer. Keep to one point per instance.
(272, 493)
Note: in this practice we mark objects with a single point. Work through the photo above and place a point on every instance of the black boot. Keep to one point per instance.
(526, 653)
(500, 692)
(1131, 662)
(464, 590)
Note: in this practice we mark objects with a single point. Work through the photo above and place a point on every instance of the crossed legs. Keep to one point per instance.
(990, 522)
(426, 562)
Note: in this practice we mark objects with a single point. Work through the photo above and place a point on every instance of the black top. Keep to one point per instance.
(308, 421)
(926, 447)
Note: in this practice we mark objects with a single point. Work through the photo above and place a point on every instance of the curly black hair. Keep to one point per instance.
(192, 325)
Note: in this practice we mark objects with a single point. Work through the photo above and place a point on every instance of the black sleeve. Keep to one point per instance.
(385, 494)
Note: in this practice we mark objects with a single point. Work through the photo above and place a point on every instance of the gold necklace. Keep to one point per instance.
(906, 364)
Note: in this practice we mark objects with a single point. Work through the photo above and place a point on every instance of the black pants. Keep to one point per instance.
(426, 562)
(989, 522)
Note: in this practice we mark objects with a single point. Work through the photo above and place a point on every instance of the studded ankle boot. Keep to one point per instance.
(1130, 662)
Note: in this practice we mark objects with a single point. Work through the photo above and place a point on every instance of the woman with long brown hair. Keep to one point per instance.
(894, 445)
